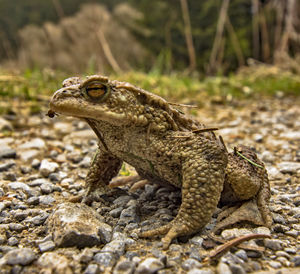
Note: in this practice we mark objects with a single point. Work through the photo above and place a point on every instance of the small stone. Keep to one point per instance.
(28, 155)
(200, 271)
(296, 261)
(77, 225)
(237, 269)
(51, 262)
(18, 185)
(16, 227)
(12, 241)
(46, 200)
(274, 264)
(33, 201)
(289, 167)
(149, 266)
(46, 246)
(196, 240)
(105, 258)
(229, 234)
(92, 269)
(35, 163)
(116, 212)
(36, 143)
(294, 233)
(10, 177)
(86, 255)
(22, 256)
(267, 156)
(116, 247)
(47, 167)
(262, 230)
(122, 201)
(7, 153)
(47, 188)
(6, 166)
(124, 267)
(223, 268)
(5, 125)
(273, 244)
(190, 263)
(242, 254)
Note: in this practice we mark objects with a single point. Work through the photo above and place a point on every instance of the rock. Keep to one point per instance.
(21, 256)
(92, 269)
(116, 247)
(105, 258)
(291, 135)
(196, 240)
(86, 255)
(36, 143)
(46, 246)
(200, 271)
(229, 234)
(242, 254)
(46, 200)
(223, 268)
(237, 269)
(267, 156)
(12, 241)
(274, 264)
(28, 155)
(77, 225)
(273, 244)
(149, 266)
(16, 227)
(289, 167)
(6, 166)
(7, 153)
(190, 264)
(47, 167)
(55, 263)
(18, 185)
(5, 125)
(124, 267)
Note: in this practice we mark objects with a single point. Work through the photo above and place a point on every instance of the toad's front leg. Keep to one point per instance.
(202, 185)
(104, 167)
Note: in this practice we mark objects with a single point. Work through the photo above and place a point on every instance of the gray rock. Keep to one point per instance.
(36, 143)
(196, 240)
(46, 246)
(229, 234)
(55, 263)
(122, 200)
(223, 268)
(92, 269)
(289, 167)
(190, 264)
(39, 219)
(5, 125)
(77, 225)
(18, 185)
(47, 167)
(33, 201)
(124, 267)
(28, 155)
(6, 166)
(200, 271)
(242, 254)
(47, 188)
(46, 200)
(149, 266)
(86, 255)
(267, 156)
(296, 261)
(105, 258)
(129, 215)
(274, 264)
(273, 244)
(16, 227)
(7, 152)
(116, 247)
(12, 241)
(22, 256)
(237, 269)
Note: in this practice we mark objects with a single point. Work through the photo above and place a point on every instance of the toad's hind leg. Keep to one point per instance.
(201, 188)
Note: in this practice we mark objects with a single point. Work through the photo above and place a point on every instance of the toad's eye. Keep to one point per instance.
(96, 91)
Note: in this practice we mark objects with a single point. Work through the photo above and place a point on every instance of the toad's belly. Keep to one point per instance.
(158, 170)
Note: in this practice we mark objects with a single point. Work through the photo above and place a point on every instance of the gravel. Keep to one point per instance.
(42, 167)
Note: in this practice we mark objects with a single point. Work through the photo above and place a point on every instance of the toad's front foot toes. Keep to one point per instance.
(97, 195)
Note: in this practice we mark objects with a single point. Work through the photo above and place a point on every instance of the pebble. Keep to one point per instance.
(200, 271)
(274, 264)
(36, 143)
(289, 167)
(5, 125)
(7, 153)
(28, 155)
(223, 268)
(46, 200)
(47, 167)
(51, 262)
(77, 225)
(124, 267)
(92, 269)
(6, 166)
(22, 256)
(46, 246)
(149, 266)
(105, 258)
(190, 263)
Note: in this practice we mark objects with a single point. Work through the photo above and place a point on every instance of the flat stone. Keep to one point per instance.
(124, 267)
(36, 143)
(149, 266)
(48, 167)
(6, 166)
(5, 125)
(105, 258)
(55, 263)
(273, 244)
(19, 185)
(77, 225)
(22, 256)
(190, 263)
(92, 269)
(46, 199)
(223, 268)
(7, 152)
(28, 155)
(200, 271)
(289, 167)
(229, 234)
(46, 246)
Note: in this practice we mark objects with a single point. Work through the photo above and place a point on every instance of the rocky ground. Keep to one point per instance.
(43, 162)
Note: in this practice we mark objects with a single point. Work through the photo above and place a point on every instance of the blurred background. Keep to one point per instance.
(137, 39)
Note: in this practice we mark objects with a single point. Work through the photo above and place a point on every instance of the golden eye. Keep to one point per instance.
(96, 91)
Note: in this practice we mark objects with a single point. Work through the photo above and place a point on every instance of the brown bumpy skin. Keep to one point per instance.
(164, 145)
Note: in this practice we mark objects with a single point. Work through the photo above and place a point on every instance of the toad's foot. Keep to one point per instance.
(134, 181)
(247, 212)
(172, 230)
(95, 195)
